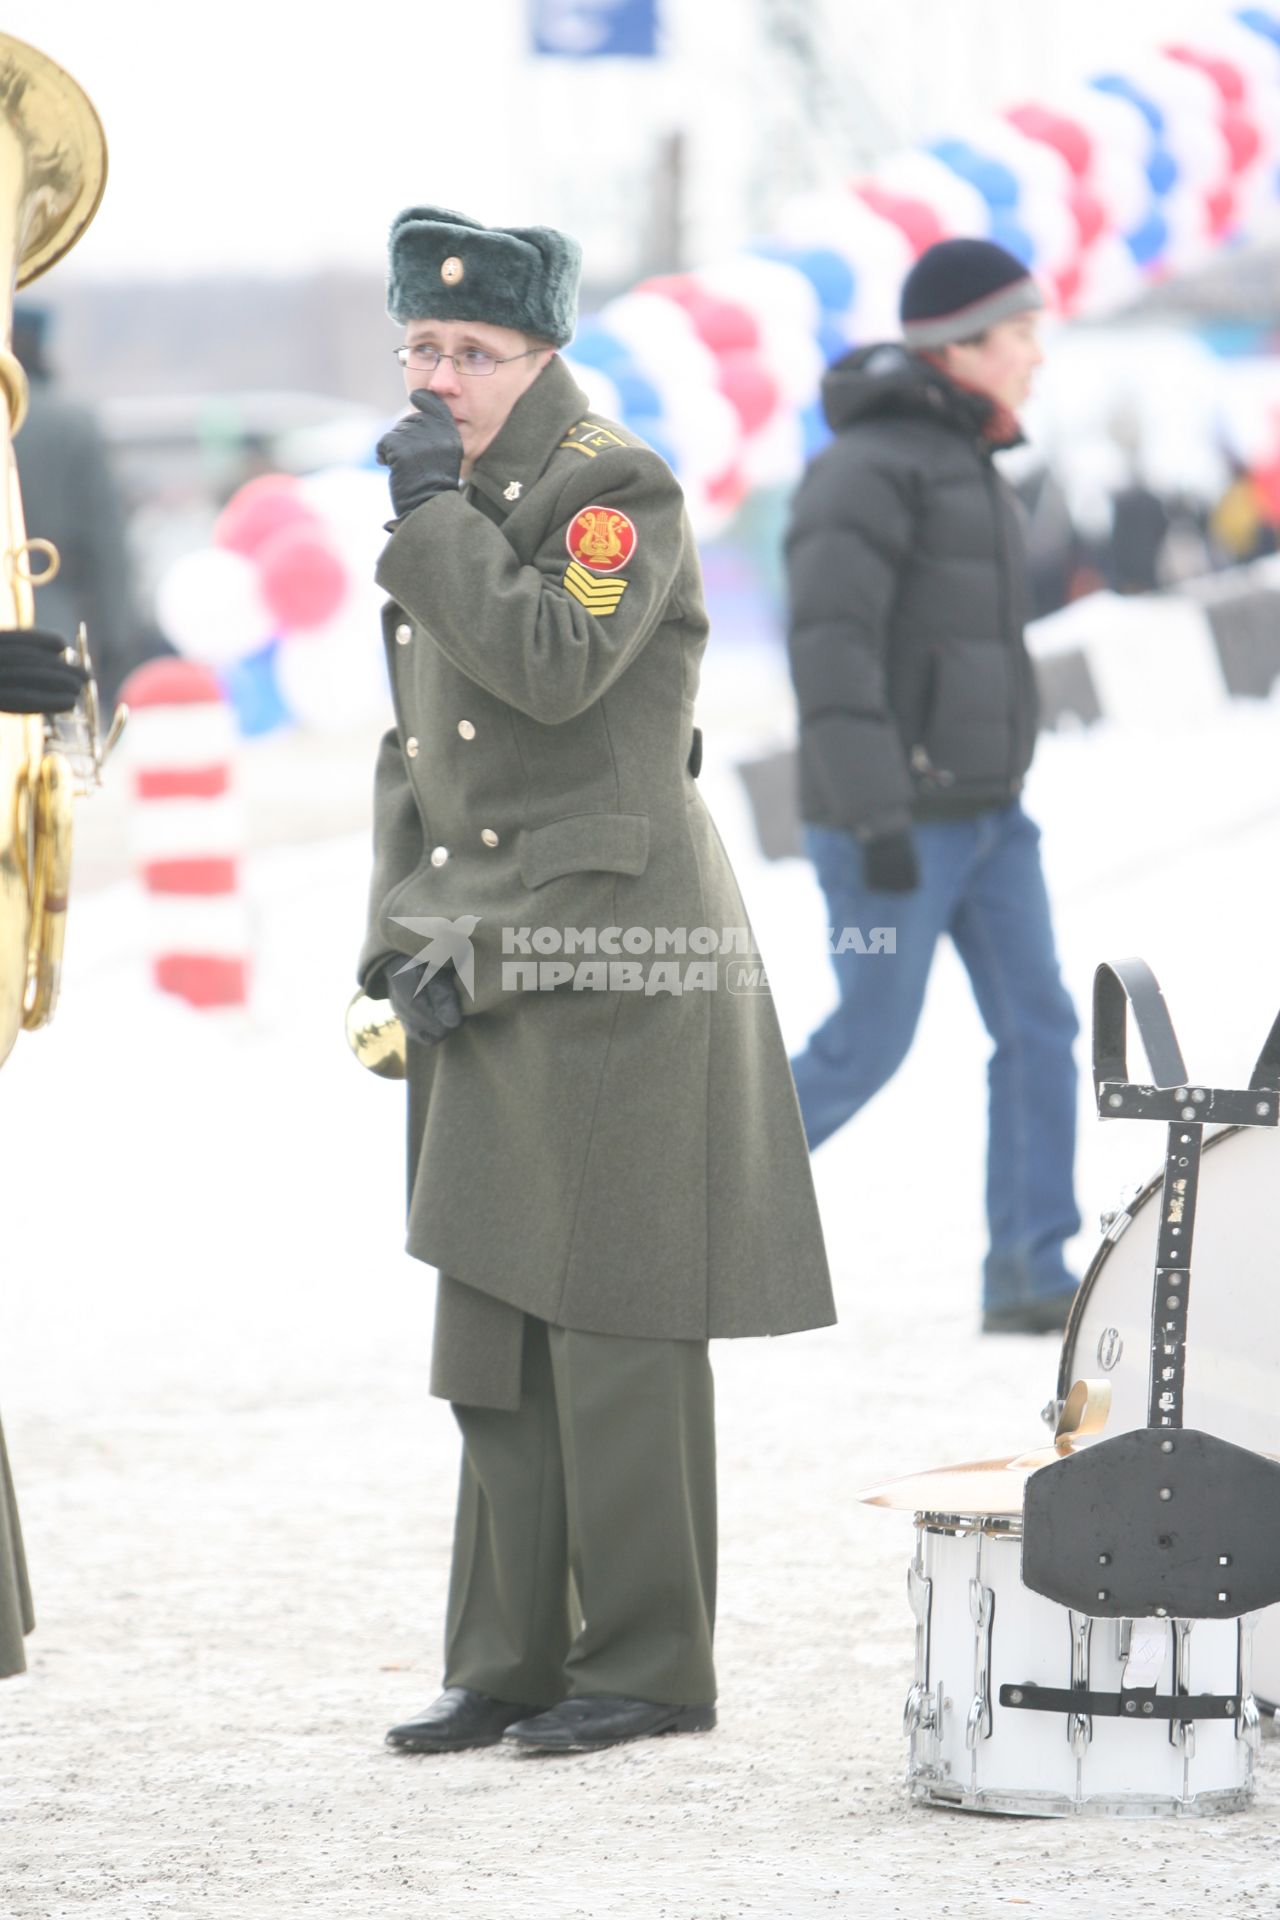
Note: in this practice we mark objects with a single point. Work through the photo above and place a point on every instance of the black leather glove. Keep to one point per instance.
(889, 863)
(427, 1013)
(35, 676)
(423, 451)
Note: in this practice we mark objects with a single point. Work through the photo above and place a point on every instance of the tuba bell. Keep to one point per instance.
(53, 166)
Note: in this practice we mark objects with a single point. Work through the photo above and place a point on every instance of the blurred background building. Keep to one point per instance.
(224, 314)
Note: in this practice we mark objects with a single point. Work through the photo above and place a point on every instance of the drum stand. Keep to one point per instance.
(1164, 1523)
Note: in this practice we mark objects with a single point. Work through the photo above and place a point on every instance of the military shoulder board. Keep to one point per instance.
(589, 438)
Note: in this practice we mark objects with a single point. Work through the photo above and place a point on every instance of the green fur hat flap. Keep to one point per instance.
(442, 266)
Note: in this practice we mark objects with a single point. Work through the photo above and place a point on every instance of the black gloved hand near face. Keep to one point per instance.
(427, 1013)
(423, 451)
(35, 675)
(889, 863)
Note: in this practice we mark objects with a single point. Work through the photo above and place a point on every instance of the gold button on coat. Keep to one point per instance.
(489, 837)
(411, 747)
(404, 634)
(466, 729)
(439, 855)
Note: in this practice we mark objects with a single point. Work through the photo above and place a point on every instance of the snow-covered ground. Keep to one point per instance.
(237, 1494)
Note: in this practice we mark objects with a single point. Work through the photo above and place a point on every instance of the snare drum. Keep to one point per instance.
(1233, 1331)
(980, 1631)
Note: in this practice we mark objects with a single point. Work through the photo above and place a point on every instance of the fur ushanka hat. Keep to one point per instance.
(442, 266)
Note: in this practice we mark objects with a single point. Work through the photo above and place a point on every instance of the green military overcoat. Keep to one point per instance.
(609, 1158)
(71, 495)
(16, 1616)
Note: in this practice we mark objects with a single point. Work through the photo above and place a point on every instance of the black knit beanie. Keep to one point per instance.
(959, 288)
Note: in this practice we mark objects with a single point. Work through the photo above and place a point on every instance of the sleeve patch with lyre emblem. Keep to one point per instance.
(601, 538)
(596, 595)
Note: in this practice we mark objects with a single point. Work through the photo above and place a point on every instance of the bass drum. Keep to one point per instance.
(1233, 1328)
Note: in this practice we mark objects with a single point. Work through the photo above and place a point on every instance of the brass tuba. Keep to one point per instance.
(53, 166)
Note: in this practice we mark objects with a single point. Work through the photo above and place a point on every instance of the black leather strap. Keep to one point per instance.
(1135, 1703)
(1119, 985)
(1266, 1075)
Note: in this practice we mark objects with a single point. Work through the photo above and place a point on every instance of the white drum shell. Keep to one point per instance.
(1233, 1327)
(978, 1629)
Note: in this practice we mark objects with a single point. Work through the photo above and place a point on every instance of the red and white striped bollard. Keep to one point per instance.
(188, 831)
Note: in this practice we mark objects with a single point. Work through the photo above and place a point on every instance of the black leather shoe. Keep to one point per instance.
(1048, 1315)
(460, 1718)
(603, 1720)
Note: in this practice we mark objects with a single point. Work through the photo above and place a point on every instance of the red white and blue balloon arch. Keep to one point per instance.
(1115, 183)
(1119, 181)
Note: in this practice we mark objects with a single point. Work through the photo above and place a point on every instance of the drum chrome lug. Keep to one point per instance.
(922, 1715)
(975, 1726)
(919, 1592)
(1115, 1221)
(982, 1606)
(923, 1711)
(1115, 1224)
(1249, 1723)
(1182, 1733)
(1080, 1725)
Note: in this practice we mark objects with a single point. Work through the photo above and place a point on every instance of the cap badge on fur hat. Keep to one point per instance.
(452, 271)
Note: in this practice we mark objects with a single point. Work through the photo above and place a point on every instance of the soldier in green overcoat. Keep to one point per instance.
(607, 1165)
(16, 1616)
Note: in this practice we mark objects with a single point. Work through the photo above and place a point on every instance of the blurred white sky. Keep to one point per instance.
(271, 136)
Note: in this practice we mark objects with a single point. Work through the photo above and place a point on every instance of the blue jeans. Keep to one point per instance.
(981, 882)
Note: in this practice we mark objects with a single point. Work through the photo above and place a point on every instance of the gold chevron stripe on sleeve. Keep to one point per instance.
(597, 596)
(593, 600)
(608, 587)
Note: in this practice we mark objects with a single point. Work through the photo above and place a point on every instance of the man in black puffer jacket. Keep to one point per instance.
(918, 716)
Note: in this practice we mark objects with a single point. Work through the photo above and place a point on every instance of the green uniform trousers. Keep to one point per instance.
(16, 1617)
(584, 1558)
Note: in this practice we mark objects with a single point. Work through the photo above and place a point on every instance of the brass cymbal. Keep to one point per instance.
(996, 1486)
(972, 1486)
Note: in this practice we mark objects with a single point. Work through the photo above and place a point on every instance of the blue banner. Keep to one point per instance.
(595, 29)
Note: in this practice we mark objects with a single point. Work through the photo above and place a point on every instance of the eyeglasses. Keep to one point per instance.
(473, 363)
